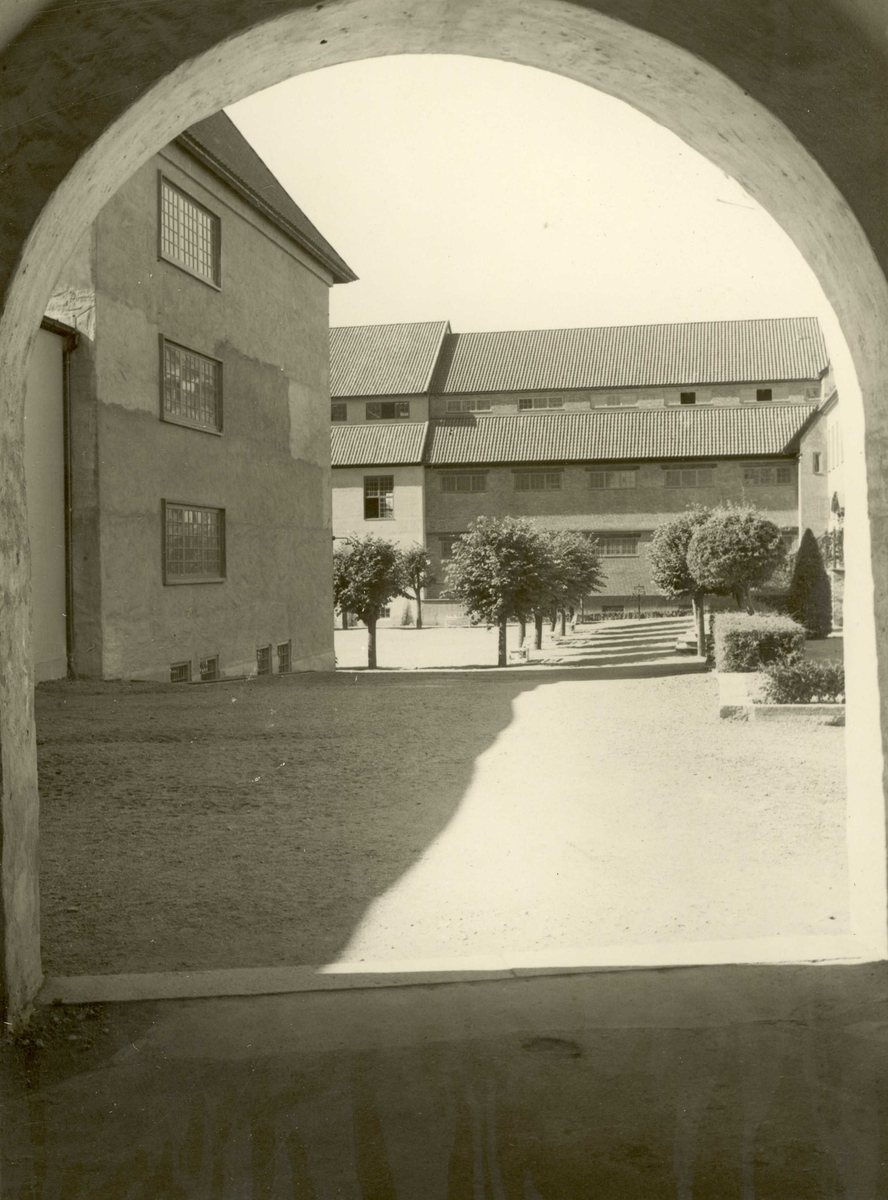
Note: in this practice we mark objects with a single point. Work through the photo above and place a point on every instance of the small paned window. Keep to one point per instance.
(765, 476)
(618, 546)
(446, 544)
(338, 412)
(475, 481)
(263, 660)
(189, 234)
(193, 543)
(209, 669)
(764, 394)
(690, 477)
(526, 403)
(688, 398)
(385, 612)
(612, 479)
(180, 672)
(475, 404)
(284, 653)
(537, 481)
(387, 410)
(379, 497)
(192, 388)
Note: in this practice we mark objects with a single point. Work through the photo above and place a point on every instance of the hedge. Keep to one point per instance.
(745, 642)
(804, 682)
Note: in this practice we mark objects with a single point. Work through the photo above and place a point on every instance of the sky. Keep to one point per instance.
(498, 196)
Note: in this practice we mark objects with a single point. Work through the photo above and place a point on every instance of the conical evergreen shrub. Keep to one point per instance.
(809, 600)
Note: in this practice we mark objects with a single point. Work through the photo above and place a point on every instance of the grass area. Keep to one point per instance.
(303, 819)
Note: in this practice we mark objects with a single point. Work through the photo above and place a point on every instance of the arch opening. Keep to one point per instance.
(698, 103)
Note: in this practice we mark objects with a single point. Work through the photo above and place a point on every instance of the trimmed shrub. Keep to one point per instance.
(804, 682)
(749, 642)
(809, 599)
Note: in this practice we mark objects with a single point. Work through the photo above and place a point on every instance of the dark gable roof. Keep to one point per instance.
(623, 356)
(384, 360)
(622, 435)
(220, 146)
(379, 444)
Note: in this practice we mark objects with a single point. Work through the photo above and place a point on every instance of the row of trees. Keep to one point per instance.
(509, 570)
(501, 570)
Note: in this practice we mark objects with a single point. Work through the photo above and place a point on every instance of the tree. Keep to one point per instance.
(416, 567)
(668, 557)
(367, 574)
(576, 570)
(809, 599)
(500, 571)
(732, 551)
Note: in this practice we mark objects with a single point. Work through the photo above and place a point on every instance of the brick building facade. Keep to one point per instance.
(608, 431)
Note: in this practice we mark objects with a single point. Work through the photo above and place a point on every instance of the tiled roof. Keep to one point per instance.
(379, 443)
(384, 360)
(219, 145)
(619, 435)
(633, 356)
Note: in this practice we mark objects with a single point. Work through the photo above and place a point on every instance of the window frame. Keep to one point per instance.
(680, 470)
(398, 416)
(389, 516)
(548, 477)
(600, 538)
(606, 487)
(539, 403)
(205, 677)
(764, 395)
(341, 405)
(469, 404)
(447, 476)
(185, 422)
(288, 646)
(261, 651)
(189, 580)
(181, 666)
(746, 468)
(216, 223)
(450, 538)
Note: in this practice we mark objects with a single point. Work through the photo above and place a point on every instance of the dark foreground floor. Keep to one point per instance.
(738, 1082)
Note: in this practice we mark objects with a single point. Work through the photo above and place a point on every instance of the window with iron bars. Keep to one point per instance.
(537, 481)
(387, 410)
(193, 544)
(379, 497)
(189, 234)
(339, 412)
(209, 669)
(284, 657)
(180, 672)
(192, 388)
(263, 660)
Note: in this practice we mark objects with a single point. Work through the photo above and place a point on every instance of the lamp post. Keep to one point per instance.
(638, 591)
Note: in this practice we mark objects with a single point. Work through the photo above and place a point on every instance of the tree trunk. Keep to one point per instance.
(538, 631)
(344, 619)
(419, 608)
(700, 624)
(371, 642)
(502, 659)
(522, 630)
(554, 621)
(743, 598)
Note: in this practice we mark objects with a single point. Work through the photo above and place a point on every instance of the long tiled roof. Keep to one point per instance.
(384, 360)
(219, 145)
(619, 435)
(379, 444)
(633, 356)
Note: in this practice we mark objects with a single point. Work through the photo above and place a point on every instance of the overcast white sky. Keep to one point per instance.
(503, 197)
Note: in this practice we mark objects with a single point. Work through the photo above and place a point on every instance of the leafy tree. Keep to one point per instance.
(575, 569)
(500, 571)
(367, 574)
(416, 567)
(668, 558)
(732, 551)
(809, 599)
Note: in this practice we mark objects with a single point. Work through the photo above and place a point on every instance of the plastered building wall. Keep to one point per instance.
(269, 468)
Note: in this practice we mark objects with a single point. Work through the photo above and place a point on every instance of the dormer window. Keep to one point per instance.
(688, 398)
(764, 394)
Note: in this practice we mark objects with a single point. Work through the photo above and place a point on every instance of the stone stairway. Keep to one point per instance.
(622, 643)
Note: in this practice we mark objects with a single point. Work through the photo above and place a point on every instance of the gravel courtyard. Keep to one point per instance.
(310, 819)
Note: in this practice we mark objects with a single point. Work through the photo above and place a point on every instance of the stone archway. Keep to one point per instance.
(791, 104)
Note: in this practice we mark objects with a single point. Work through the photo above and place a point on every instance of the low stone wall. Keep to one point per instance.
(738, 693)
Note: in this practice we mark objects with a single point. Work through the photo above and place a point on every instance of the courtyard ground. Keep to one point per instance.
(359, 817)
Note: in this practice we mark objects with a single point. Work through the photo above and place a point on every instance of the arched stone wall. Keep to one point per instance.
(787, 98)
